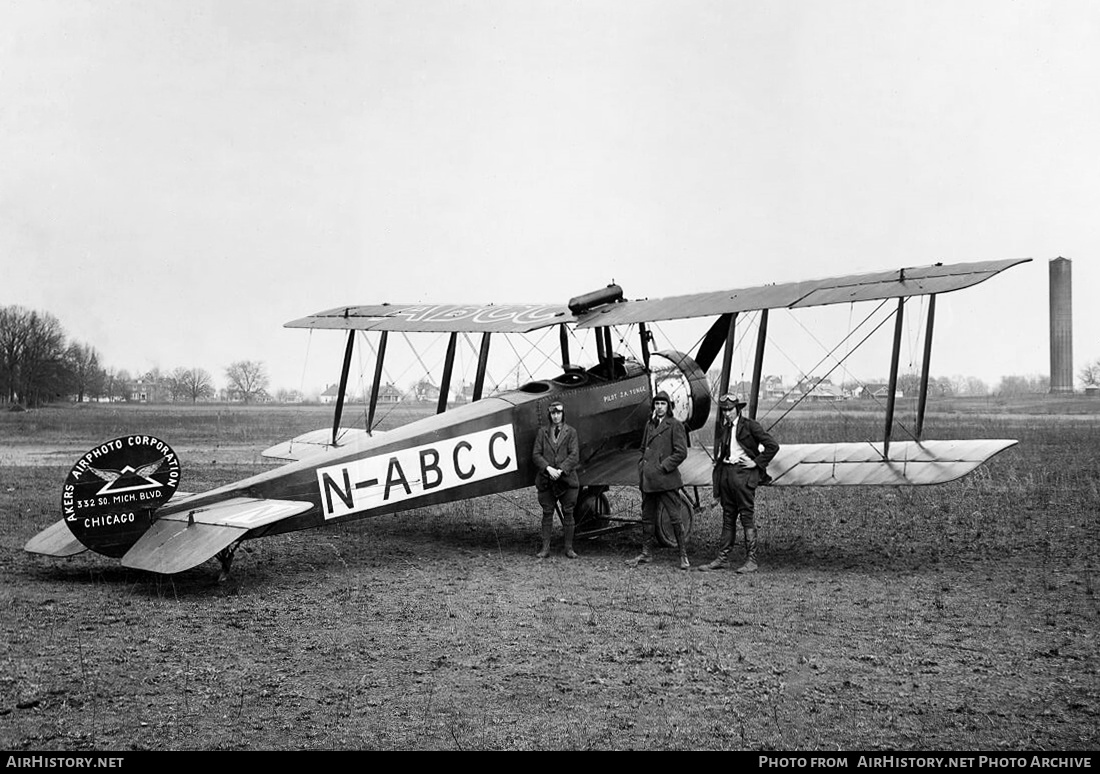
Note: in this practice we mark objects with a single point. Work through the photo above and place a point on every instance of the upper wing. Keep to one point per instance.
(915, 281)
(825, 464)
(523, 318)
(438, 318)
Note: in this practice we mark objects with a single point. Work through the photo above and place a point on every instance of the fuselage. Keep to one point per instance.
(472, 450)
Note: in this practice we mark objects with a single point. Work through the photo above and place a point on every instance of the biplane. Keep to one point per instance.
(121, 498)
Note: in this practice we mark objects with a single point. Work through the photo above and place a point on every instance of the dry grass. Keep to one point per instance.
(957, 617)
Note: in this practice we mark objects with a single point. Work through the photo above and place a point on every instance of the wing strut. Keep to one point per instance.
(643, 334)
(379, 361)
(563, 339)
(727, 365)
(343, 385)
(712, 342)
(482, 362)
(923, 400)
(604, 351)
(758, 364)
(448, 368)
(894, 356)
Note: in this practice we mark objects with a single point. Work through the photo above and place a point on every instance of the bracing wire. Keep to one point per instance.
(838, 364)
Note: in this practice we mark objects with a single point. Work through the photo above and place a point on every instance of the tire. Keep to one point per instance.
(591, 509)
(666, 535)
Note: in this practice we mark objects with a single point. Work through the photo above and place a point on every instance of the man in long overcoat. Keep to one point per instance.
(556, 455)
(664, 447)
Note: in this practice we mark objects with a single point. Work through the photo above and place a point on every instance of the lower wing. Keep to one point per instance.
(314, 442)
(908, 463)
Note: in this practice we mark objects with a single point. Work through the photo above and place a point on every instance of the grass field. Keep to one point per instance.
(958, 617)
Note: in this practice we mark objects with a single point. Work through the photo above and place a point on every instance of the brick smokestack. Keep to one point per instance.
(1061, 326)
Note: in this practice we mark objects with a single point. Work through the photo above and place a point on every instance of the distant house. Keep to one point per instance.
(824, 392)
(234, 395)
(878, 391)
(387, 393)
(464, 394)
(425, 391)
(149, 390)
(772, 389)
(331, 393)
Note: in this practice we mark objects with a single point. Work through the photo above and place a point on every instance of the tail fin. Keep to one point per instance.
(113, 491)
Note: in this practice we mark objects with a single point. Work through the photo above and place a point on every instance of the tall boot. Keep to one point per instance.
(646, 556)
(547, 531)
(569, 529)
(681, 544)
(725, 545)
(750, 552)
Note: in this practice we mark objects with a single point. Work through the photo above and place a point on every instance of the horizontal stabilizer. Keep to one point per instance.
(909, 463)
(183, 540)
(58, 540)
(315, 442)
(55, 540)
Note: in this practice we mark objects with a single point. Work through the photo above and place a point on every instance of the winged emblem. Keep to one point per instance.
(145, 471)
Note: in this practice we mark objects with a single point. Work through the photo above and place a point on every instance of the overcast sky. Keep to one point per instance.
(178, 179)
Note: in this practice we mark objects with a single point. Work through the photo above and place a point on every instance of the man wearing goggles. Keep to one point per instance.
(743, 450)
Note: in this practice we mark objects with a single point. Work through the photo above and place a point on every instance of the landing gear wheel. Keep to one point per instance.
(592, 510)
(666, 535)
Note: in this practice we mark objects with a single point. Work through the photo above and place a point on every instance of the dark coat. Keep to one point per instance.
(757, 443)
(664, 447)
(565, 455)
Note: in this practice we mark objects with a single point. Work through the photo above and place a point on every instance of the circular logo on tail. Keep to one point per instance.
(112, 491)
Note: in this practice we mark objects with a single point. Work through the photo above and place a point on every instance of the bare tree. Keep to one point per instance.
(909, 384)
(84, 370)
(1090, 374)
(32, 356)
(974, 386)
(13, 336)
(118, 384)
(288, 396)
(192, 384)
(1016, 385)
(248, 378)
(942, 387)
